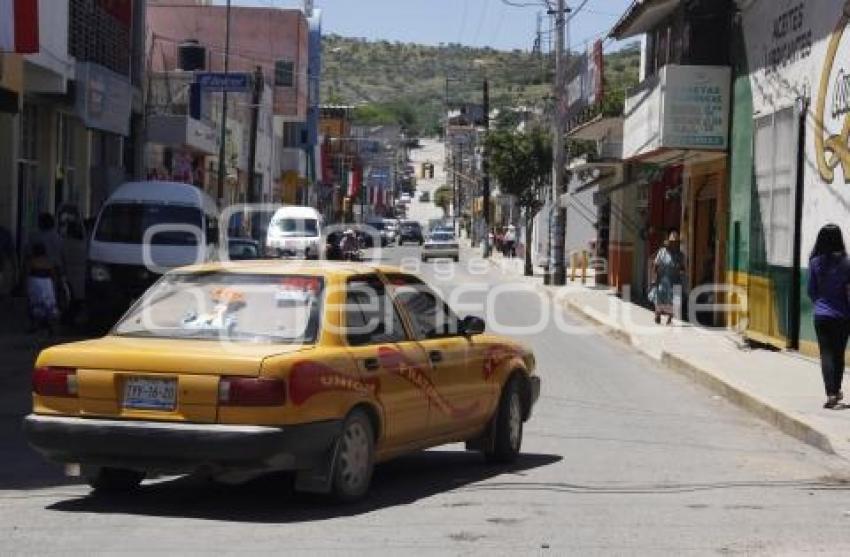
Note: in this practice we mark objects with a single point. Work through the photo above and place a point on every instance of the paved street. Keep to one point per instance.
(620, 457)
(431, 151)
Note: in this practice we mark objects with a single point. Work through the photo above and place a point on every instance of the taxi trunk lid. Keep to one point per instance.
(153, 379)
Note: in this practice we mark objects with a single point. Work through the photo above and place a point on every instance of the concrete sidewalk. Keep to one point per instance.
(782, 388)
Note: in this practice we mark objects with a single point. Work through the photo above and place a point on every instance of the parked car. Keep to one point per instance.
(242, 249)
(441, 245)
(144, 229)
(253, 367)
(295, 232)
(404, 198)
(411, 231)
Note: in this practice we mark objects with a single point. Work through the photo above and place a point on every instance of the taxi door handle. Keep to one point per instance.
(435, 356)
(371, 364)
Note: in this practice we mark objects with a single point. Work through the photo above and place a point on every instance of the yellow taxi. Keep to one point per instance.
(242, 368)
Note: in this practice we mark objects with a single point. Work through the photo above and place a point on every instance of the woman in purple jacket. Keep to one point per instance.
(829, 289)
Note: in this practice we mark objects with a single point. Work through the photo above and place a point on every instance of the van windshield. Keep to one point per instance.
(126, 223)
(298, 227)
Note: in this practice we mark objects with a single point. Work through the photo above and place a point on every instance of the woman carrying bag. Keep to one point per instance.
(829, 290)
(669, 268)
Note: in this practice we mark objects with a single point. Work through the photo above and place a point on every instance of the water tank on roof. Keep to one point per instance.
(193, 56)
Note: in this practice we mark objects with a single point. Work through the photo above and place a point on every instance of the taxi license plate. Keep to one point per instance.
(146, 393)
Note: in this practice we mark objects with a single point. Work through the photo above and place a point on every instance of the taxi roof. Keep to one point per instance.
(281, 266)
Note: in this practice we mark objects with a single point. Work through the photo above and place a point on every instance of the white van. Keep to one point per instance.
(295, 232)
(120, 266)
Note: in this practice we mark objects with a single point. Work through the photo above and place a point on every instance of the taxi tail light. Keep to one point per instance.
(55, 381)
(251, 391)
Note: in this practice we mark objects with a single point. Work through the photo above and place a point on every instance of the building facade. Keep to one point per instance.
(676, 143)
(70, 113)
(790, 159)
(277, 42)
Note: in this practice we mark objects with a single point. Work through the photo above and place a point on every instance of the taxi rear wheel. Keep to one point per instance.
(507, 440)
(355, 458)
(114, 480)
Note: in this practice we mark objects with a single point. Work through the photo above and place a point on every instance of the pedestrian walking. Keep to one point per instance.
(829, 290)
(510, 241)
(669, 268)
(41, 290)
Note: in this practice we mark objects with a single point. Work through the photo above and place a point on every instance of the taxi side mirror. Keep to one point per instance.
(471, 325)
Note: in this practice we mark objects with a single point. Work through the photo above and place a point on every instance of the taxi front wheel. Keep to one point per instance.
(114, 480)
(354, 458)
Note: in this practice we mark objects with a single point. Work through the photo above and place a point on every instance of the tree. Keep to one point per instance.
(443, 198)
(521, 162)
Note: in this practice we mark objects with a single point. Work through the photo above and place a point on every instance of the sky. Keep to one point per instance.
(469, 22)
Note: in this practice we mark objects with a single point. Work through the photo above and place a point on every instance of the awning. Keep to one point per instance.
(642, 16)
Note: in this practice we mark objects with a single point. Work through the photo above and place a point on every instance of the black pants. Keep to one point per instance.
(832, 341)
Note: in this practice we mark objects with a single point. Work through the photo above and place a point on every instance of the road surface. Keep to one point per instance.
(621, 457)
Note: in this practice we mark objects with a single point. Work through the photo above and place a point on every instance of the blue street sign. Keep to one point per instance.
(219, 81)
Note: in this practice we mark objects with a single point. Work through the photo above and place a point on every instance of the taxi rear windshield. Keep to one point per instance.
(229, 306)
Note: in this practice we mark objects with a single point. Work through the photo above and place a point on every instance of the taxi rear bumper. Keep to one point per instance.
(149, 445)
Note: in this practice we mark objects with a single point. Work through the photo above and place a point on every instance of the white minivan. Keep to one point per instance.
(295, 231)
(179, 222)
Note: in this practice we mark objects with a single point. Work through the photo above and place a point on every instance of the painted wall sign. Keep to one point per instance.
(814, 70)
(832, 149)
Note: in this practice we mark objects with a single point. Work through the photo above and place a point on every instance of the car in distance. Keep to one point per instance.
(411, 231)
(425, 197)
(441, 245)
(295, 231)
(392, 226)
(241, 249)
(316, 367)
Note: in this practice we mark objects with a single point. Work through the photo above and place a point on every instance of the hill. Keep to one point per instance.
(408, 82)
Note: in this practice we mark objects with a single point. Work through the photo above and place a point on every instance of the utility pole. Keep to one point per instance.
(457, 161)
(485, 170)
(558, 269)
(252, 149)
(223, 135)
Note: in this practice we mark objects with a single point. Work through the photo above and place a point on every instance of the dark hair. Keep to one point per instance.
(671, 230)
(46, 221)
(830, 242)
(38, 250)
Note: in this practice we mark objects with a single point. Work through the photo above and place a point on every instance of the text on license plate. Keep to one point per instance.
(150, 394)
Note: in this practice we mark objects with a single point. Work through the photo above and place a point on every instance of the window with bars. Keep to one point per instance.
(95, 35)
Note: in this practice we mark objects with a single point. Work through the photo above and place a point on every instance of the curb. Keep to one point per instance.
(783, 421)
(779, 419)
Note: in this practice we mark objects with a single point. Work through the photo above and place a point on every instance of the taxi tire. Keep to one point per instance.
(114, 480)
(506, 445)
(356, 443)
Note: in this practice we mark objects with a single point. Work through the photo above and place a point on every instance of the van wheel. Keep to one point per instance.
(507, 436)
(354, 458)
(114, 480)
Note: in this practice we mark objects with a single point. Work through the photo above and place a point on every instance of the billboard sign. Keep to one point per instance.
(585, 80)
